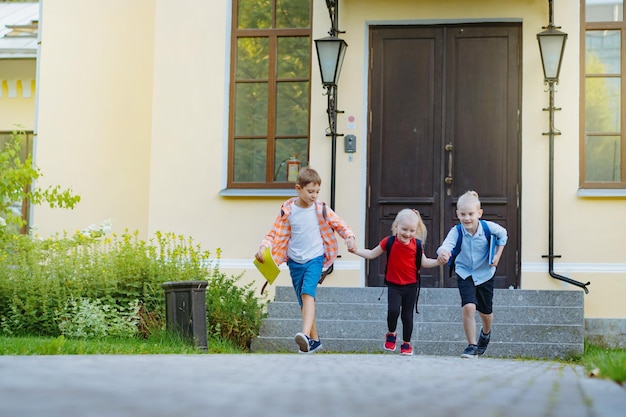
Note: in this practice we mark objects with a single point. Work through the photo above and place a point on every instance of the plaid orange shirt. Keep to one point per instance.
(278, 238)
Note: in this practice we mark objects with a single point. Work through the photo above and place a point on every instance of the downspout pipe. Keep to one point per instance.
(551, 133)
(551, 254)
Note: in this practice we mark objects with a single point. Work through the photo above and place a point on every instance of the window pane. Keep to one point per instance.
(293, 13)
(250, 156)
(252, 58)
(254, 14)
(293, 57)
(292, 109)
(270, 87)
(251, 109)
(604, 10)
(285, 150)
(603, 52)
(602, 105)
(602, 157)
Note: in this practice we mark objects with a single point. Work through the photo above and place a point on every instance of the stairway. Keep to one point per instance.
(527, 323)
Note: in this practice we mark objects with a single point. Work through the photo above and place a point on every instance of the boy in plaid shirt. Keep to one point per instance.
(303, 235)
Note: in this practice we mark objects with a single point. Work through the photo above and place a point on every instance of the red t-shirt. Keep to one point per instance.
(401, 267)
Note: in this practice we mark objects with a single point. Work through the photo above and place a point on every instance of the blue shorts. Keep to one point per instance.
(480, 295)
(305, 277)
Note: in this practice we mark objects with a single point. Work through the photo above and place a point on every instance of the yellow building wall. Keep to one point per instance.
(189, 144)
(94, 118)
(136, 121)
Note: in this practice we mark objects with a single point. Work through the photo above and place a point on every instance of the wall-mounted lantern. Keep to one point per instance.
(330, 53)
(551, 46)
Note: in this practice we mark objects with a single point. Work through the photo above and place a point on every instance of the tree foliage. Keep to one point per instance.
(17, 186)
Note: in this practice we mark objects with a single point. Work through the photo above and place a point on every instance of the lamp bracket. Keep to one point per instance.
(333, 13)
(551, 26)
(550, 84)
(331, 92)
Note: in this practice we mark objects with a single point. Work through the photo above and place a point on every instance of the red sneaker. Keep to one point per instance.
(390, 342)
(406, 349)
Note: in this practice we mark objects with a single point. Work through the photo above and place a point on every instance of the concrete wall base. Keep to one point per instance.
(609, 333)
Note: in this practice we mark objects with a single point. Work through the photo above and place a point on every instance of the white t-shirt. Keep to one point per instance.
(306, 240)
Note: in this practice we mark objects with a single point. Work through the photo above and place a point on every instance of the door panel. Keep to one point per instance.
(405, 160)
(444, 112)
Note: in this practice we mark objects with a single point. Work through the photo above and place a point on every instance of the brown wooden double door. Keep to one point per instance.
(444, 119)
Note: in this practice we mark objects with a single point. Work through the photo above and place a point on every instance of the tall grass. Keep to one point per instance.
(602, 362)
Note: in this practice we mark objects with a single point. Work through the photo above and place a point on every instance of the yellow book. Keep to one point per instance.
(268, 268)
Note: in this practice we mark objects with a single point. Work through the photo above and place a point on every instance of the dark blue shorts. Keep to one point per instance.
(306, 276)
(480, 295)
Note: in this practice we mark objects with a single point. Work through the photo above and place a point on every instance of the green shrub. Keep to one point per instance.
(86, 318)
(92, 285)
(233, 311)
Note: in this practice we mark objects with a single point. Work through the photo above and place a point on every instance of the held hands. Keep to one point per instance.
(351, 244)
(443, 257)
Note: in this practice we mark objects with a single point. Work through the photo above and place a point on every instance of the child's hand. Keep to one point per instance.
(353, 249)
(259, 254)
(443, 257)
(350, 242)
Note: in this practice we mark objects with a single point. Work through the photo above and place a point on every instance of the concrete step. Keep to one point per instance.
(527, 323)
(429, 312)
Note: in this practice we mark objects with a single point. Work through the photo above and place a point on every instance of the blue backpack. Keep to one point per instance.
(457, 248)
(418, 264)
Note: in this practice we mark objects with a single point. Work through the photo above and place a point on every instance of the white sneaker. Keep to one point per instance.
(303, 341)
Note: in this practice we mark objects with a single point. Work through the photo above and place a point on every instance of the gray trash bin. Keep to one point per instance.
(185, 310)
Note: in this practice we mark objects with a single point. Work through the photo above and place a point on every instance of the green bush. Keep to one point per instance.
(86, 318)
(233, 311)
(92, 285)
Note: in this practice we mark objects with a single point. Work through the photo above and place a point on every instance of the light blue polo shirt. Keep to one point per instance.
(473, 258)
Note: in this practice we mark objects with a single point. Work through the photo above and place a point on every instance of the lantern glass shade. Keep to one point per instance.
(551, 47)
(330, 53)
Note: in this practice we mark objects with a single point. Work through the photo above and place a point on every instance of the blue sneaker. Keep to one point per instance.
(303, 342)
(483, 341)
(314, 346)
(471, 351)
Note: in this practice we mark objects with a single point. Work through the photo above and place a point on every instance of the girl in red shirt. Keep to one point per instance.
(402, 274)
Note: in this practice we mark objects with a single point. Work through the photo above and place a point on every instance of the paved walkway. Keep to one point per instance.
(259, 385)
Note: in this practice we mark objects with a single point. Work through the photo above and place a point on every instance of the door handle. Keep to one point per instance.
(449, 148)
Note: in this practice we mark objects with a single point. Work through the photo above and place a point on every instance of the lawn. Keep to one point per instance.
(163, 343)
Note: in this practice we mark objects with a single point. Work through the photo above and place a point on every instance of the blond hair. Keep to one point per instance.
(307, 176)
(413, 216)
(469, 198)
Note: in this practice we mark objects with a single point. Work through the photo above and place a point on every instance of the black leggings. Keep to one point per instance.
(401, 299)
